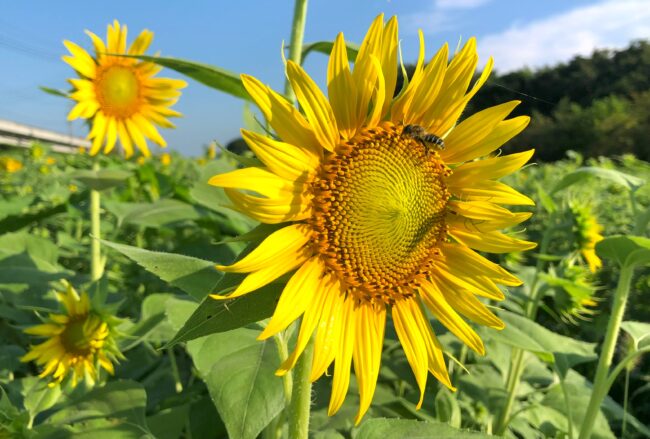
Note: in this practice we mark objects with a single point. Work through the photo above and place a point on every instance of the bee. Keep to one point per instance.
(428, 140)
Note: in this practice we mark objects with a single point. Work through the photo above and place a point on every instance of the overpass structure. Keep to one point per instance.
(20, 135)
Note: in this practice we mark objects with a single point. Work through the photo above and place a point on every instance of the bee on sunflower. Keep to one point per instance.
(374, 221)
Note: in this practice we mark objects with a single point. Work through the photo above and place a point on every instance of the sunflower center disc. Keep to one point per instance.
(380, 203)
(118, 90)
(82, 335)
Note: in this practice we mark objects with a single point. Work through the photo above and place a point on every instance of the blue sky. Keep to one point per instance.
(246, 37)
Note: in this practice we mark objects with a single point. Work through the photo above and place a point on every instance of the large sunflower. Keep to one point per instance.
(119, 94)
(79, 341)
(377, 219)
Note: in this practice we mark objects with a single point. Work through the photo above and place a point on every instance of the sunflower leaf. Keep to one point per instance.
(629, 181)
(626, 250)
(247, 398)
(383, 428)
(102, 179)
(214, 77)
(196, 277)
(213, 316)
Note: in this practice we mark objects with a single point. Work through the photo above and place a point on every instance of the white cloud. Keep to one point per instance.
(609, 24)
(439, 16)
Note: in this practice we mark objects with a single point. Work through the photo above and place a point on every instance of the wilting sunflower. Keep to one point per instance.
(586, 232)
(376, 218)
(120, 95)
(79, 341)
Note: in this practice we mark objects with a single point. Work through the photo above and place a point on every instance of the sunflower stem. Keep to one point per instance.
(601, 387)
(295, 43)
(301, 395)
(96, 266)
(516, 365)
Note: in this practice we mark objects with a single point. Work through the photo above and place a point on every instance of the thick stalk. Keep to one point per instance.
(517, 363)
(600, 387)
(295, 44)
(96, 267)
(301, 395)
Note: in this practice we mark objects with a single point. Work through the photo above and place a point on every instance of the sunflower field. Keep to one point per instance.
(376, 262)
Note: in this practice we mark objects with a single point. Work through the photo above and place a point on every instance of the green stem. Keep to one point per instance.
(567, 404)
(295, 43)
(175, 372)
(301, 395)
(96, 266)
(283, 353)
(623, 364)
(600, 387)
(516, 365)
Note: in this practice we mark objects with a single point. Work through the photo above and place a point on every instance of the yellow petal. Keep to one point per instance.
(489, 169)
(342, 90)
(270, 210)
(326, 342)
(80, 60)
(440, 308)
(492, 191)
(141, 43)
(370, 325)
(491, 242)
(427, 88)
(328, 286)
(125, 139)
(488, 268)
(412, 342)
(296, 296)
(287, 122)
(258, 180)
(346, 339)
(315, 106)
(483, 216)
(137, 137)
(462, 140)
(472, 308)
(281, 244)
(283, 159)
(265, 276)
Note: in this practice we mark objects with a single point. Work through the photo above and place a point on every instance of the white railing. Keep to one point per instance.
(20, 135)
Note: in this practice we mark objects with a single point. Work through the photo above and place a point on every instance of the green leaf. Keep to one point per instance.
(629, 181)
(118, 403)
(639, 331)
(214, 316)
(382, 428)
(239, 373)
(525, 334)
(214, 77)
(546, 199)
(325, 47)
(38, 396)
(55, 91)
(101, 179)
(195, 276)
(628, 251)
(158, 214)
(24, 269)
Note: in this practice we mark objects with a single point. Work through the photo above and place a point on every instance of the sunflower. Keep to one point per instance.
(120, 95)
(10, 165)
(586, 231)
(79, 341)
(376, 218)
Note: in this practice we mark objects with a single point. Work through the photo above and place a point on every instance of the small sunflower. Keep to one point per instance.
(10, 165)
(165, 159)
(79, 341)
(120, 95)
(586, 231)
(377, 217)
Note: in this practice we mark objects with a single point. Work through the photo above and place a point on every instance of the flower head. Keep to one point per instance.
(121, 95)
(165, 159)
(382, 207)
(79, 341)
(586, 231)
(10, 165)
